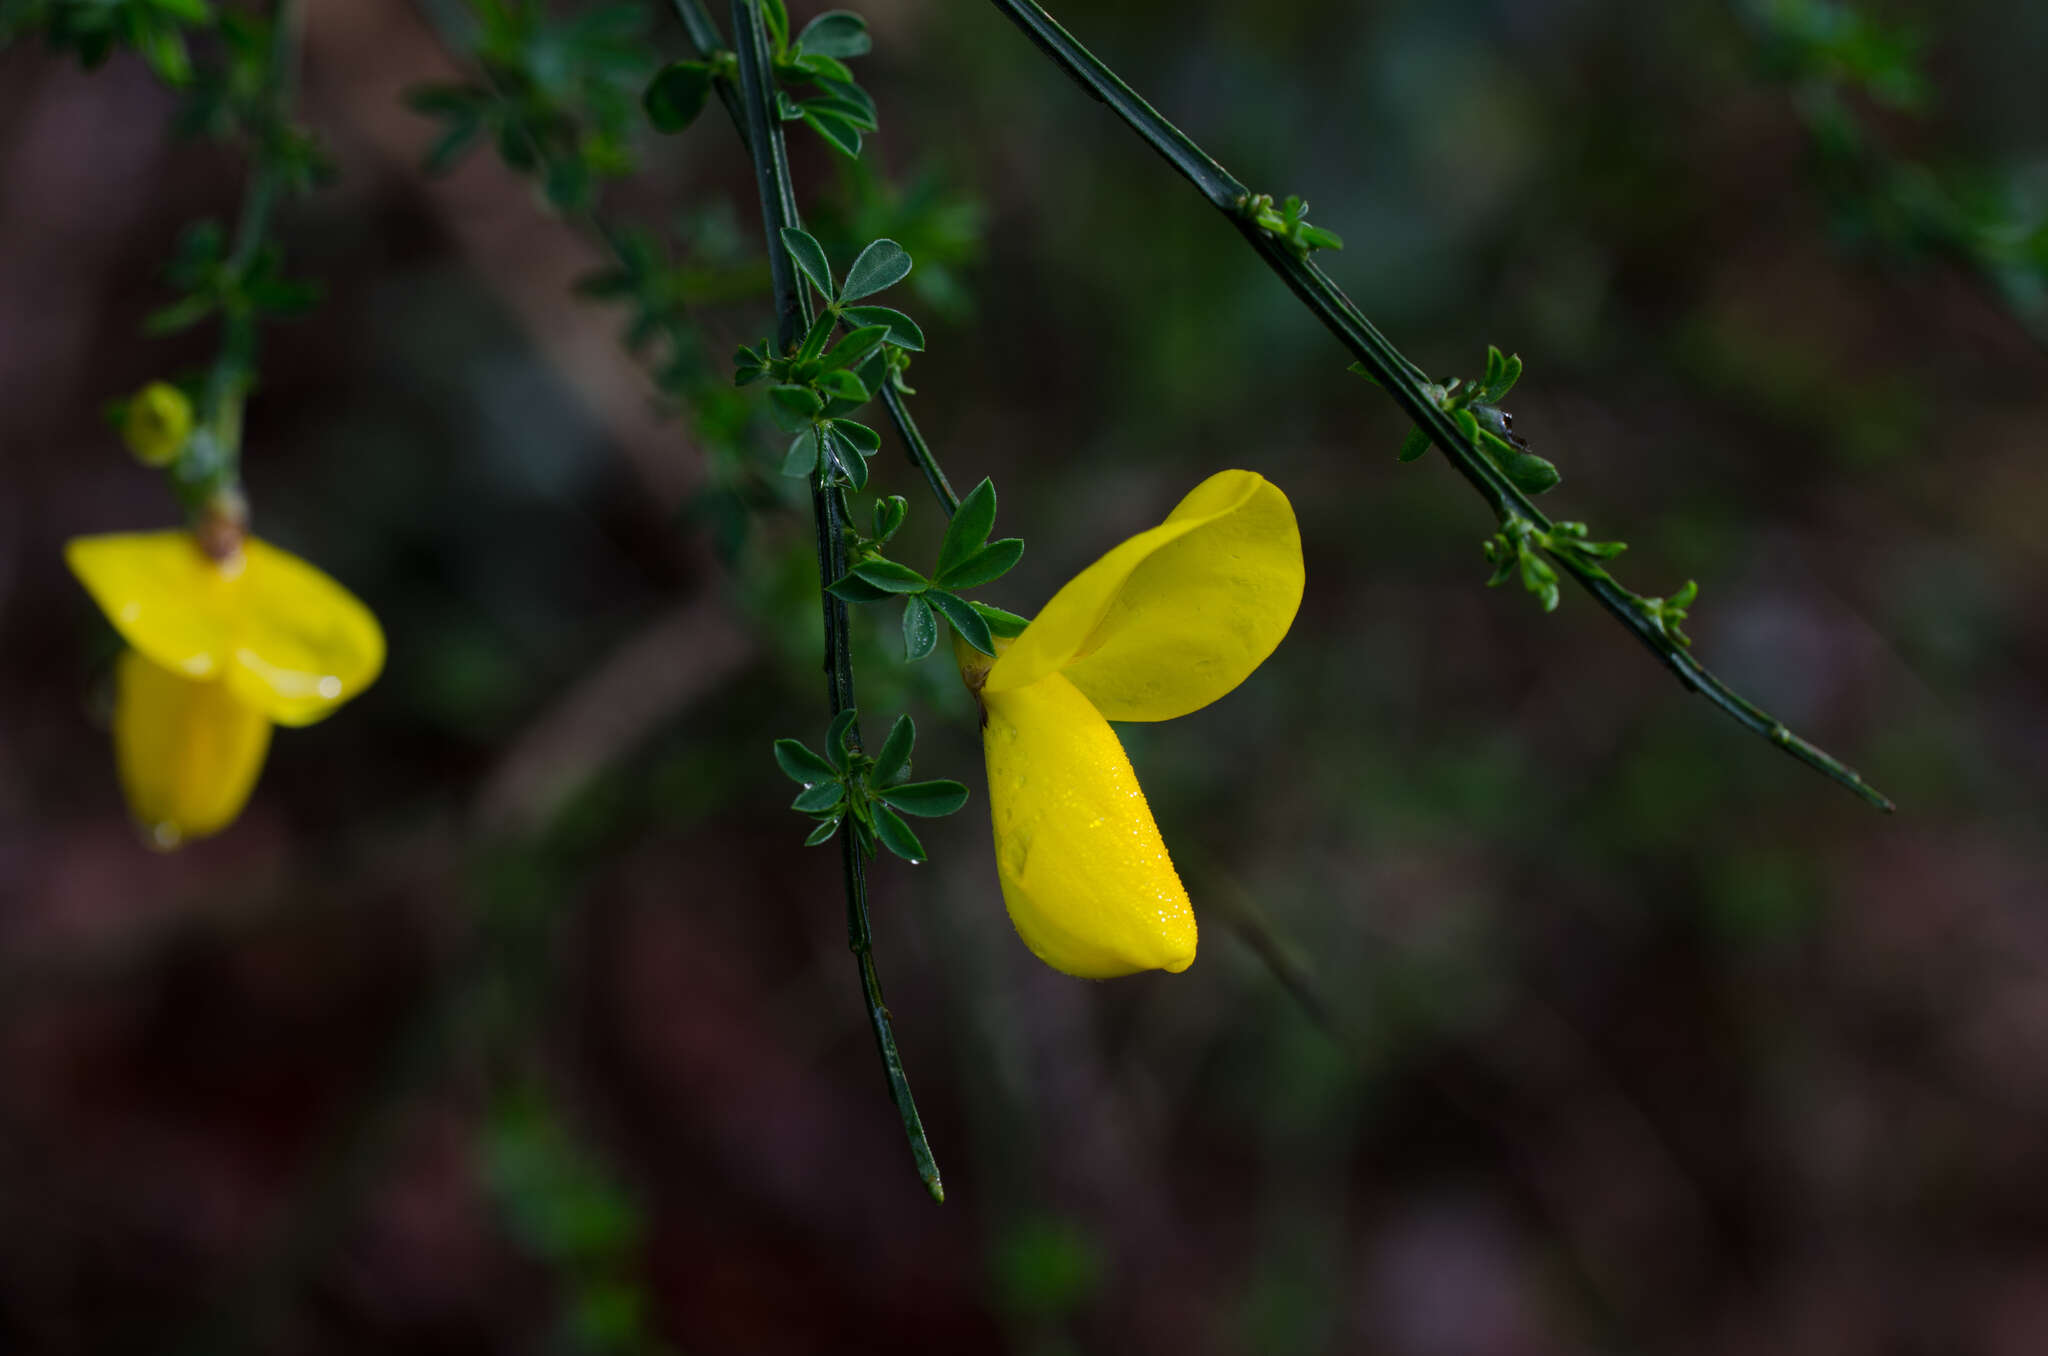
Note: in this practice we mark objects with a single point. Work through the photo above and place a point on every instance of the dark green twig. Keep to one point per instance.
(704, 36)
(778, 210)
(228, 381)
(1404, 381)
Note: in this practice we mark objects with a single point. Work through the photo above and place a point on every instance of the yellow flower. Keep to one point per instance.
(1163, 625)
(220, 649)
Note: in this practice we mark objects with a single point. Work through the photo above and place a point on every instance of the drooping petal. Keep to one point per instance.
(284, 637)
(303, 643)
(188, 752)
(164, 595)
(1084, 871)
(1178, 615)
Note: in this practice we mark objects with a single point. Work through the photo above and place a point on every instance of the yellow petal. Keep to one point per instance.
(303, 643)
(283, 636)
(1177, 616)
(1085, 874)
(188, 752)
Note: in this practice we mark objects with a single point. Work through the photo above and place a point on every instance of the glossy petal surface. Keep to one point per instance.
(1178, 615)
(282, 636)
(188, 751)
(1084, 871)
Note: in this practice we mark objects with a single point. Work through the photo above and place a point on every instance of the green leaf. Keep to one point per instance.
(920, 628)
(856, 469)
(903, 331)
(837, 737)
(860, 435)
(676, 95)
(896, 836)
(799, 764)
(894, 758)
(801, 461)
(837, 33)
(882, 265)
(179, 315)
(1528, 472)
(890, 511)
(970, 526)
(775, 15)
(824, 831)
(927, 800)
(840, 134)
(992, 561)
(810, 259)
(794, 407)
(860, 115)
(965, 620)
(857, 346)
(856, 590)
(1001, 623)
(845, 386)
(1414, 445)
(191, 11)
(818, 798)
(891, 576)
(814, 338)
(822, 67)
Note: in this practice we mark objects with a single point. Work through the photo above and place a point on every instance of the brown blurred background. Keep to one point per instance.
(511, 1017)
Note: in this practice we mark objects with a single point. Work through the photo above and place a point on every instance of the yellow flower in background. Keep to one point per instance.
(1163, 625)
(220, 649)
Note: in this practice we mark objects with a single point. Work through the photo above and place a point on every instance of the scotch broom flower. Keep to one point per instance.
(1162, 625)
(220, 649)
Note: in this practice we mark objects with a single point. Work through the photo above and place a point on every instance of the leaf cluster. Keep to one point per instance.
(1474, 406)
(967, 559)
(837, 108)
(213, 281)
(558, 97)
(873, 793)
(93, 30)
(825, 379)
(1288, 224)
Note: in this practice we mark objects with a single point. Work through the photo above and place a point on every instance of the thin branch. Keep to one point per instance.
(778, 210)
(1405, 382)
(704, 36)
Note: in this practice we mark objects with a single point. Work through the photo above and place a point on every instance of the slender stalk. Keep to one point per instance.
(704, 36)
(1404, 381)
(918, 450)
(227, 382)
(778, 210)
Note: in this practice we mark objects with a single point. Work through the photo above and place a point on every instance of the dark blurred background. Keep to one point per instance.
(1539, 1009)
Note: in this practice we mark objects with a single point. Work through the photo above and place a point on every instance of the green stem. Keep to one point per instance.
(778, 210)
(227, 382)
(1403, 380)
(918, 450)
(704, 37)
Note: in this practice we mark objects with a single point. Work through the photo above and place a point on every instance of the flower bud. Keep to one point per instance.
(156, 423)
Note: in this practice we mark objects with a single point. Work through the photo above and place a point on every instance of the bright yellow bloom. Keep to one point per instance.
(220, 650)
(1163, 625)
